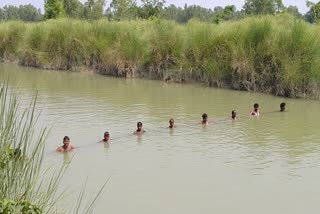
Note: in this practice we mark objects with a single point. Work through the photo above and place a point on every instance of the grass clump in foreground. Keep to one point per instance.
(21, 156)
(24, 188)
(275, 54)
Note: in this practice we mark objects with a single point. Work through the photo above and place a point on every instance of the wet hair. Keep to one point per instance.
(106, 134)
(204, 115)
(66, 138)
(256, 105)
(139, 124)
(282, 105)
(171, 120)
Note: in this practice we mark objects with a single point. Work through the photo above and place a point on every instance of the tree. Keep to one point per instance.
(150, 8)
(294, 11)
(262, 7)
(53, 9)
(183, 15)
(11, 12)
(218, 9)
(2, 14)
(171, 12)
(73, 8)
(26, 13)
(313, 15)
(93, 9)
(222, 14)
(218, 17)
(29, 13)
(123, 9)
(228, 12)
(279, 6)
(186, 14)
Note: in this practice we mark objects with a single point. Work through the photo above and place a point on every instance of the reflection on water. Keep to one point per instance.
(66, 158)
(106, 146)
(139, 139)
(171, 132)
(268, 164)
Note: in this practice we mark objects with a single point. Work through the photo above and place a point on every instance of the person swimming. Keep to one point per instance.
(234, 115)
(106, 138)
(171, 124)
(283, 107)
(139, 130)
(66, 145)
(255, 111)
(205, 120)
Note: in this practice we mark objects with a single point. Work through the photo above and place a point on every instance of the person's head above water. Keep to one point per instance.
(256, 107)
(139, 126)
(66, 141)
(106, 136)
(171, 123)
(234, 115)
(204, 118)
(282, 107)
(66, 145)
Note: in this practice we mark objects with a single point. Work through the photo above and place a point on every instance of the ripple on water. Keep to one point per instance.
(242, 161)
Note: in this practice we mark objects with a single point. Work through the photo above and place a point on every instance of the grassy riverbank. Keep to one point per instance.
(274, 54)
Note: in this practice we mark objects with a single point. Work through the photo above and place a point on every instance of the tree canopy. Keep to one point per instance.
(53, 9)
(263, 7)
(26, 13)
(73, 8)
(313, 15)
(146, 9)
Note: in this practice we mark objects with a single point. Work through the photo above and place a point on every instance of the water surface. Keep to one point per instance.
(260, 165)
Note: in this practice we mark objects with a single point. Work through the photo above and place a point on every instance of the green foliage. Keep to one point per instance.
(123, 9)
(278, 54)
(21, 189)
(73, 8)
(93, 9)
(29, 13)
(263, 7)
(229, 10)
(313, 15)
(293, 10)
(53, 9)
(11, 12)
(150, 8)
(6, 156)
(183, 15)
(24, 12)
(224, 14)
(128, 9)
(9, 206)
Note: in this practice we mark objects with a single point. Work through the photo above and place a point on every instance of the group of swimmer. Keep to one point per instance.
(140, 131)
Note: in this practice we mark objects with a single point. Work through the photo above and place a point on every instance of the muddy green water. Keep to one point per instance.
(266, 165)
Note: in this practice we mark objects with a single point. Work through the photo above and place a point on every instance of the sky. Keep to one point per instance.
(301, 4)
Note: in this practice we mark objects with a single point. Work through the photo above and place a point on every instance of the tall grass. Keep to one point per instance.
(275, 54)
(21, 154)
